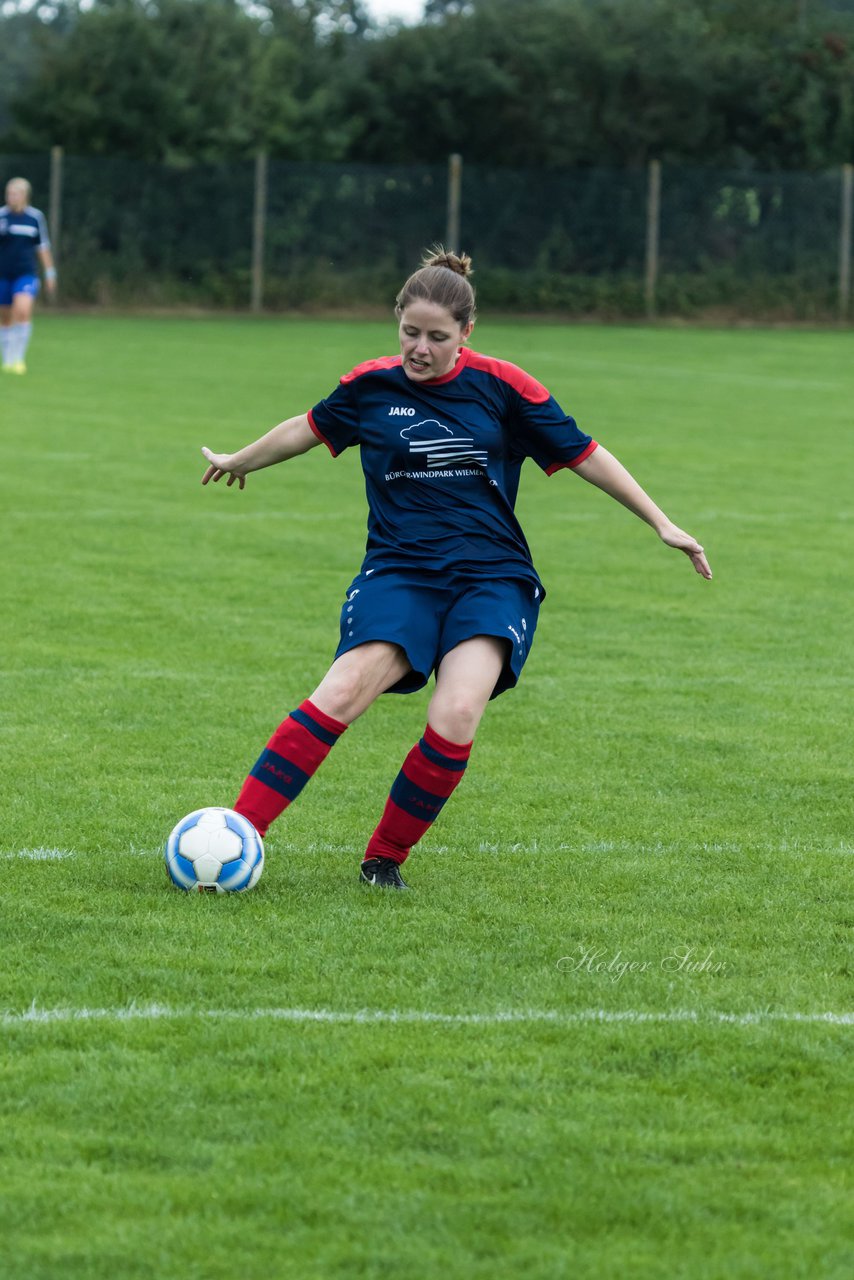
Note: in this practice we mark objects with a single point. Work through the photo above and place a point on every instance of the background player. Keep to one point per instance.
(447, 583)
(23, 240)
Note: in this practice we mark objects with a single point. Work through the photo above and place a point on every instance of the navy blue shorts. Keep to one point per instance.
(20, 284)
(428, 615)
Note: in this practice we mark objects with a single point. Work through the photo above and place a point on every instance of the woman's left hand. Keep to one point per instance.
(682, 541)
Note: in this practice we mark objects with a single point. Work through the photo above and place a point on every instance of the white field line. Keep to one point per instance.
(620, 847)
(39, 855)
(598, 846)
(630, 1017)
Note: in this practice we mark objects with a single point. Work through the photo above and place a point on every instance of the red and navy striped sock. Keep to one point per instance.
(294, 753)
(431, 771)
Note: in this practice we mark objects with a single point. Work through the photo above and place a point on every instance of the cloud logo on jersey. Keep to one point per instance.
(431, 447)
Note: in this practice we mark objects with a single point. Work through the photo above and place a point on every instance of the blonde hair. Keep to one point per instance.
(21, 182)
(442, 278)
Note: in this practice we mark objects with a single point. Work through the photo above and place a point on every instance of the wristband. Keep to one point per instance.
(50, 273)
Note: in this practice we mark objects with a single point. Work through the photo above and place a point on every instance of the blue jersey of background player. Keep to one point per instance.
(24, 244)
(447, 584)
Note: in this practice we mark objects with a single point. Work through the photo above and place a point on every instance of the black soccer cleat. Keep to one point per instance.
(382, 872)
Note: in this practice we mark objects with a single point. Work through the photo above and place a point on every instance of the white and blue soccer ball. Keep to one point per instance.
(214, 851)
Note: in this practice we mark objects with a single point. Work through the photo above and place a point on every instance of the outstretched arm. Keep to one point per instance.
(603, 469)
(287, 440)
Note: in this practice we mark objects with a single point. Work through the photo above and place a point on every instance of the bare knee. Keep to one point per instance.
(357, 678)
(455, 718)
(340, 693)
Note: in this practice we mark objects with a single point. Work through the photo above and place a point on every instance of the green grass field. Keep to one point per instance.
(609, 1034)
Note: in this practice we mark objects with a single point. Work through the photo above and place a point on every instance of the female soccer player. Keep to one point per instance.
(447, 583)
(23, 238)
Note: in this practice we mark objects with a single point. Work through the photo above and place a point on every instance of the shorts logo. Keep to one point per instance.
(428, 445)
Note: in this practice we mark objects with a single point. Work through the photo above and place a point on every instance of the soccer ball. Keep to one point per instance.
(214, 851)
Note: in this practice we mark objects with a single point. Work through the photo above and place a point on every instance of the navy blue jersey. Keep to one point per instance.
(442, 460)
(20, 235)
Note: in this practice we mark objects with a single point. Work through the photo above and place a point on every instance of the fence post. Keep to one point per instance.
(259, 221)
(54, 216)
(653, 220)
(845, 221)
(455, 179)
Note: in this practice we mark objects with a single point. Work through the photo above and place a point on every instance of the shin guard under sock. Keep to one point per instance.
(431, 771)
(294, 753)
(18, 341)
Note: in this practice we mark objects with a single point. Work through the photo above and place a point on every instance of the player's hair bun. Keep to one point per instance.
(442, 278)
(438, 256)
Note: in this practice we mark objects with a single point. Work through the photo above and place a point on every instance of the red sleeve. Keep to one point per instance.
(573, 463)
(321, 437)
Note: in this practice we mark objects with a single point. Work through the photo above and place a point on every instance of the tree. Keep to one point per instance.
(188, 79)
(546, 83)
(553, 82)
(26, 35)
(562, 83)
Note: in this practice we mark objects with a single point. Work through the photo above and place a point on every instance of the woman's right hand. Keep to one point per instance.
(223, 464)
